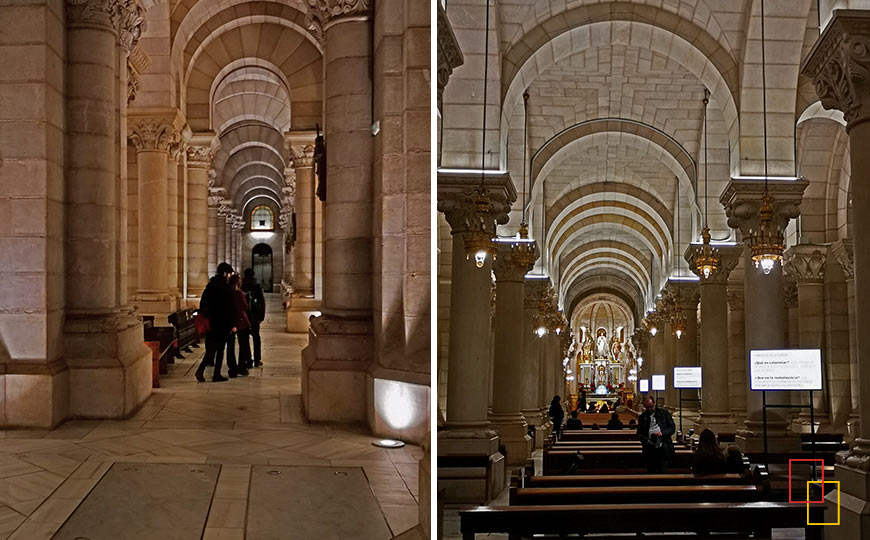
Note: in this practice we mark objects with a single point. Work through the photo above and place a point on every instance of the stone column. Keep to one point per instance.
(467, 430)
(685, 294)
(765, 317)
(842, 251)
(221, 233)
(656, 348)
(102, 341)
(215, 196)
(715, 409)
(514, 260)
(669, 353)
(172, 248)
(198, 163)
(152, 132)
(531, 379)
(805, 264)
(341, 342)
(737, 360)
(838, 65)
(228, 236)
(303, 301)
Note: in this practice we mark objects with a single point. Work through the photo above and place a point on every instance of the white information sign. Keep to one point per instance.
(791, 369)
(658, 382)
(644, 386)
(687, 377)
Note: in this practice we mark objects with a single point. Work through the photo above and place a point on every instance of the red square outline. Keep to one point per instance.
(822, 461)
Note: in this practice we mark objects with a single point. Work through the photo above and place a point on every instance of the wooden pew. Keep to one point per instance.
(598, 435)
(646, 479)
(160, 340)
(635, 494)
(756, 517)
(559, 461)
(185, 331)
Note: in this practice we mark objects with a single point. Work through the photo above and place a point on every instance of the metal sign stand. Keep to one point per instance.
(765, 406)
(680, 390)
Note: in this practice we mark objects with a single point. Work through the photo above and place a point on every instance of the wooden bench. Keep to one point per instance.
(757, 517)
(646, 479)
(185, 331)
(635, 494)
(598, 435)
(160, 340)
(559, 461)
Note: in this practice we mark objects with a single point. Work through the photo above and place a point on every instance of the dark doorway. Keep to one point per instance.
(261, 262)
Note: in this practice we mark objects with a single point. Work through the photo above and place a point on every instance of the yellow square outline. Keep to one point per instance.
(837, 482)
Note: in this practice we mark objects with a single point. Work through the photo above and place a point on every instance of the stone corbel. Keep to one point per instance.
(805, 263)
(131, 23)
(842, 251)
(302, 156)
(449, 54)
(215, 196)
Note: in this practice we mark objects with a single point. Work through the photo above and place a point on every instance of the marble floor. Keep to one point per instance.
(245, 422)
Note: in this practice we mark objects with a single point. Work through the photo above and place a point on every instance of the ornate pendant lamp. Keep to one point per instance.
(478, 238)
(766, 243)
(652, 324)
(707, 261)
(540, 322)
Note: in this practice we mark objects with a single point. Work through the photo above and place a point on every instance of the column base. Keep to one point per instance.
(158, 305)
(38, 398)
(334, 365)
(542, 424)
(471, 470)
(513, 434)
(852, 472)
(299, 312)
(106, 352)
(853, 425)
(715, 422)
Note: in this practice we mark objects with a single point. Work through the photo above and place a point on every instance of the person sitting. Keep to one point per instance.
(591, 408)
(604, 408)
(734, 459)
(709, 458)
(632, 424)
(595, 427)
(615, 422)
(574, 422)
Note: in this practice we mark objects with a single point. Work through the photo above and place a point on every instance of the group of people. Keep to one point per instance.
(234, 308)
(654, 428)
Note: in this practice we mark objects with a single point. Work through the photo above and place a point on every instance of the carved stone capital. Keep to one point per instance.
(842, 250)
(735, 299)
(154, 133)
(456, 197)
(533, 289)
(514, 260)
(199, 157)
(215, 196)
(322, 14)
(302, 156)
(131, 23)
(449, 54)
(742, 200)
(805, 263)
(685, 294)
(92, 12)
(839, 65)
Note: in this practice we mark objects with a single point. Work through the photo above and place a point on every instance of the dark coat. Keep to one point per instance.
(666, 424)
(255, 313)
(240, 311)
(574, 423)
(217, 304)
(615, 424)
(707, 463)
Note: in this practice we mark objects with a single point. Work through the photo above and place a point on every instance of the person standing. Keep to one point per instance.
(216, 305)
(654, 429)
(256, 311)
(243, 326)
(557, 414)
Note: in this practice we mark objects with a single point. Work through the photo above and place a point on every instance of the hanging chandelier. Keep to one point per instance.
(678, 321)
(478, 240)
(540, 321)
(652, 324)
(707, 261)
(766, 242)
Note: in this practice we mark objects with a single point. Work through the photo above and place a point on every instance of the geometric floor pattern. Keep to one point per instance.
(254, 420)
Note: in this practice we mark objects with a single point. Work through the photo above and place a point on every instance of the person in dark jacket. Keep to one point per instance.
(217, 305)
(256, 312)
(615, 422)
(709, 457)
(604, 408)
(734, 459)
(240, 321)
(654, 429)
(574, 422)
(557, 414)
